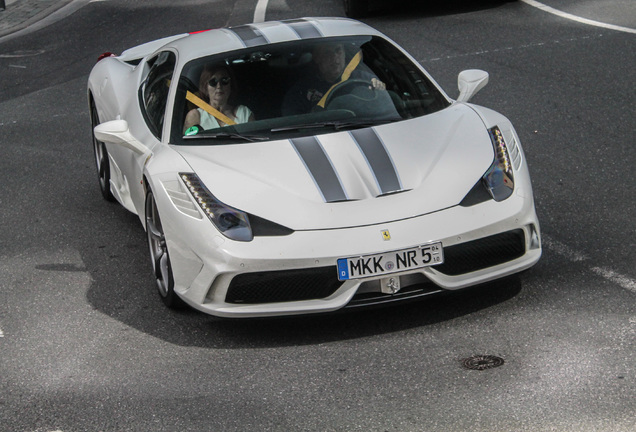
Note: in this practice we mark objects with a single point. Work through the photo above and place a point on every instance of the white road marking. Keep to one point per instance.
(23, 53)
(1, 333)
(575, 256)
(582, 20)
(511, 48)
(259, 12)
(563, 250)
(619, 279)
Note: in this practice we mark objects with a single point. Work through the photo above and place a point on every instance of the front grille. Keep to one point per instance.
(283, 286)
(482, 253)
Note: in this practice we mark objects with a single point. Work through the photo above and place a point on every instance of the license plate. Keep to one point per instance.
(390, 262)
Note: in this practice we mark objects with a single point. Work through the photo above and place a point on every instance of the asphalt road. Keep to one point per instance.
(87, 345)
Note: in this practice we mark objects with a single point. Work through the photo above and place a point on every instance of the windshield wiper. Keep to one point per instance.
(228, 135)
(337, 125)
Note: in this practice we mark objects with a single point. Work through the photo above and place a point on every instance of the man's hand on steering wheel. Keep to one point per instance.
(376, 84)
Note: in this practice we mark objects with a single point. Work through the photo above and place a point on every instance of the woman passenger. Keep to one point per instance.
(216, 86)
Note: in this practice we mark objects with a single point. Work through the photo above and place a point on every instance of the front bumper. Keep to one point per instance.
(290, 275)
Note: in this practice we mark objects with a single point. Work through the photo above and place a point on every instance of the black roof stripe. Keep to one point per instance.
(249, 35)
(304, 29)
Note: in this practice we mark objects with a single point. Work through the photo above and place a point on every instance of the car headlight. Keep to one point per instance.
(499, 180)
(232, 223)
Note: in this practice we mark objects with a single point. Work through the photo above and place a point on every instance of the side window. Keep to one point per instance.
(154, 90)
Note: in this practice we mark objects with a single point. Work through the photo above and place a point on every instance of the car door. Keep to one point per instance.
(146, 125)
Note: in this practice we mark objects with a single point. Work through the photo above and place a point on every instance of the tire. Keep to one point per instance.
(356, 8)
(159, 255)
(101, 158)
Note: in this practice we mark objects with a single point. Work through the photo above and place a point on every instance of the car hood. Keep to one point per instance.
(345, 179)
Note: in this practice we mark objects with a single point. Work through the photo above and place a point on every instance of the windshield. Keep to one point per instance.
(300, 88)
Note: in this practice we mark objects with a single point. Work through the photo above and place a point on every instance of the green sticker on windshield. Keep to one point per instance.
(192, 130)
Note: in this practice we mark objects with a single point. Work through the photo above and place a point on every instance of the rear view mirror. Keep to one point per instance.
(470, 82)
(117, 132)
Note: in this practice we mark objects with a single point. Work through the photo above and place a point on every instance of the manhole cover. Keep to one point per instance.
(481, 362)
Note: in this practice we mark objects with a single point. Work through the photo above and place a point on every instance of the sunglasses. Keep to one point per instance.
(224, 81)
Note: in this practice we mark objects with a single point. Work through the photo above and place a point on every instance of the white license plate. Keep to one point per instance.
(390, 262)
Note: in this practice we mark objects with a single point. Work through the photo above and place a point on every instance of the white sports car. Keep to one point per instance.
(307, 165)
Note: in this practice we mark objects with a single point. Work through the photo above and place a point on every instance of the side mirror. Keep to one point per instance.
(470, 82)
(117, 132)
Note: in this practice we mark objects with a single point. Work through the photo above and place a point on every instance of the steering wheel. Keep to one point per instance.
(347, 87)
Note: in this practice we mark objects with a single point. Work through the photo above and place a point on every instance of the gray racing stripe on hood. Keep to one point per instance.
(379, 160)
(320, 168)
(249, 35)
(303, 28)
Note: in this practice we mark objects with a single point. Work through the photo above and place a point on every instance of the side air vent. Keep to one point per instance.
(181, 199)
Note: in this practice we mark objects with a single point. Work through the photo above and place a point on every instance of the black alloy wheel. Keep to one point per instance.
(159, 254)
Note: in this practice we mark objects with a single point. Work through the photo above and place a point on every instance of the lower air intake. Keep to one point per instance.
(283, 286)
(482, 253)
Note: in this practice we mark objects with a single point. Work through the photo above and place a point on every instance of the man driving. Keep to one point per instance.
(331, 69)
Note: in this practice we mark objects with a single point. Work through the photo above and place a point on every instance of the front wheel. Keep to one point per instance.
(159, 254)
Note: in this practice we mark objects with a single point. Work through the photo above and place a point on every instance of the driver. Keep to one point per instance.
(329, 59)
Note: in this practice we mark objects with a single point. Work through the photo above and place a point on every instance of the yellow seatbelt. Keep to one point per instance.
(355, 61)
(209, 109)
